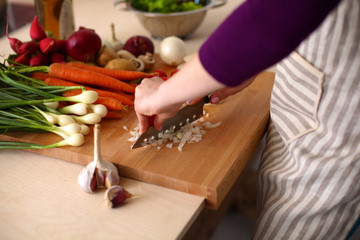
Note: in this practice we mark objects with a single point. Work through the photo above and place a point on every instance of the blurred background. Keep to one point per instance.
(18, 14)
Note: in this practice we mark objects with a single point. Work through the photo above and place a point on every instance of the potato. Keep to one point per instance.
(121, 64)
(105, 55)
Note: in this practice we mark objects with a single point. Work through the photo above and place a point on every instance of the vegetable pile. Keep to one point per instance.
(42, 50)
(114, 87)
(27, 104)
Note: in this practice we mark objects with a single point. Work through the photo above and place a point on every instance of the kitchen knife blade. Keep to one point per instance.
(185, 115)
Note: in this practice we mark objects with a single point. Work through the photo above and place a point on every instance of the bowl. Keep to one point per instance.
(179, 24)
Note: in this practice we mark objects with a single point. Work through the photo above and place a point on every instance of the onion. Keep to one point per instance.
(172, 50)
(83, 45)
(139, 45)
(189, 133)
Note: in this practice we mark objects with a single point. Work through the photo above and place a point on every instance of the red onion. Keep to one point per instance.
(28, 48)
(37, 32)
(83, 45)
(38, 60)
(14, 42)
(139, 45)
(47, 45)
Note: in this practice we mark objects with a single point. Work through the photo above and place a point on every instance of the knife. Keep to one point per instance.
(185, 115)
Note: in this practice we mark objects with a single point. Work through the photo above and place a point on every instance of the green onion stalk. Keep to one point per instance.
(24, 106)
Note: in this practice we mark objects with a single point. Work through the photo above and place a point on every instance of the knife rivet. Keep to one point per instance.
(173, 127)
(180, 124)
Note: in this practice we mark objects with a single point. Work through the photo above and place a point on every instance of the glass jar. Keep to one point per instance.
(56, 16)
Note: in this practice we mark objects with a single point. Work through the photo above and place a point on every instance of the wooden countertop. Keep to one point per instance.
(40, 198)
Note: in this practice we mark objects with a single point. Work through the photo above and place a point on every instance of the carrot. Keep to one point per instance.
(113, 115)
(111, 104)
(39, 75)
(118, 74)
(124, 98)
(83, 76)
(129, 96)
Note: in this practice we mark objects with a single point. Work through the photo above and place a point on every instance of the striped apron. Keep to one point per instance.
(309, 175)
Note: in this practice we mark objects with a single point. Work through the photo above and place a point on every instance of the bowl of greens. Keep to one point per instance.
(164, 18)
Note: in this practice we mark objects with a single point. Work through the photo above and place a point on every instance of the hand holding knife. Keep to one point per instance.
(186, 114)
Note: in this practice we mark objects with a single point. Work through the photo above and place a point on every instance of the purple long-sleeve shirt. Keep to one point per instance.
(258, 34)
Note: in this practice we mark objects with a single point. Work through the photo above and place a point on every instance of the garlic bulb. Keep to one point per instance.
(114, 43)
(99, 173)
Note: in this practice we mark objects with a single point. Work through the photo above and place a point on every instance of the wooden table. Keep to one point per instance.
(40, 198)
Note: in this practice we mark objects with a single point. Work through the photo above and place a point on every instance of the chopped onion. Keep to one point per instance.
(189, 133)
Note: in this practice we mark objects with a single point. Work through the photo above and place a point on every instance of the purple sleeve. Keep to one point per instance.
(258, 34)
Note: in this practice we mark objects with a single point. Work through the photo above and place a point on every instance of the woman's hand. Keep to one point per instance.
(150, 106)
(158, 100)
(223, 93)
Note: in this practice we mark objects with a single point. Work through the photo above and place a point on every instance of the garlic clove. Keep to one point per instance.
(87, 178)
(107, 174)
(116, 196)
(112, 178)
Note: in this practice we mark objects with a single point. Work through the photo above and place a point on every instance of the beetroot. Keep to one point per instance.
(139, 45)
(38, 60)
(47, 45)
(61, 46)
(37, 32)
(57, 58)
(14, 42)
(22, 59)
(83, 45)
(28, 48)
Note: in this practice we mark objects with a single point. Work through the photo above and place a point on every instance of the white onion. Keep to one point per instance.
(189, 133)
(172, 50)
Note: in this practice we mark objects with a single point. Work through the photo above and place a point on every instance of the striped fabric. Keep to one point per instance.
(309, 176)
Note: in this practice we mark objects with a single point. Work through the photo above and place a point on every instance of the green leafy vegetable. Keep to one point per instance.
(167, 6)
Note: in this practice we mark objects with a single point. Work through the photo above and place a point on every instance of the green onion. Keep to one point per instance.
(23, 107)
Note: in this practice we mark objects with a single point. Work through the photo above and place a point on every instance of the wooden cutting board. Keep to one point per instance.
(207, 168)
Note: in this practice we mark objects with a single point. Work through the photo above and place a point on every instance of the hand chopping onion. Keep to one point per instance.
(163, 99)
